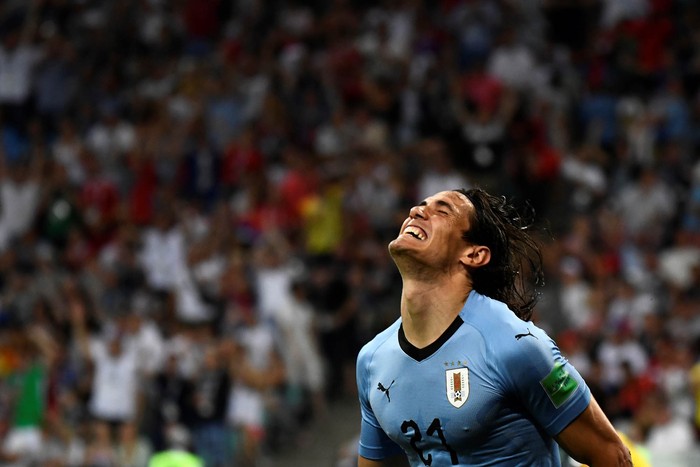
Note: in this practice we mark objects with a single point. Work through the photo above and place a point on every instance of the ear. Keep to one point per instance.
(475, 256)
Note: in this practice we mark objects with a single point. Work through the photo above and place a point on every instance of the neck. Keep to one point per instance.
(428, 308)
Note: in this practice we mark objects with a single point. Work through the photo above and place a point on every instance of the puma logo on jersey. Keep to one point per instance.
(381, 387)
(520, 336)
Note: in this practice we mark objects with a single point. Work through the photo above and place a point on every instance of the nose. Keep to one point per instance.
(417, 211)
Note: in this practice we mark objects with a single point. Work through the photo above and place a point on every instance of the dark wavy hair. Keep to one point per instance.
(515, 269)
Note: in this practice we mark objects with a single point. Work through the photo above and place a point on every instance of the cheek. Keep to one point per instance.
(456, 244)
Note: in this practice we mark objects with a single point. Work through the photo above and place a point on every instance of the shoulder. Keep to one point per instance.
(373, 351)
(368, 355)
(508, 338)
(491, 317)
(368, 351)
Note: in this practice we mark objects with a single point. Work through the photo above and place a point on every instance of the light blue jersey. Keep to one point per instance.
(492, 390)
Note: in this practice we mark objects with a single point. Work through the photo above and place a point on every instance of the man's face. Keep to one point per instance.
(432, 233)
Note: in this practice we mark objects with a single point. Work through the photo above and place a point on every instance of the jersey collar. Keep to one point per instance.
(421, 354)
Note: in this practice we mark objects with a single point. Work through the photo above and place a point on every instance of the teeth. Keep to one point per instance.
(415, 232)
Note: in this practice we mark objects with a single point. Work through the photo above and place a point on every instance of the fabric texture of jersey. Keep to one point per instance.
(493, 390)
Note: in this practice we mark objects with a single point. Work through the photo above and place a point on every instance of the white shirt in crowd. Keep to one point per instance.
(302, 358)
(163, 257)
(18, 205)
(115, 382)
(246, 407)
(16, 69)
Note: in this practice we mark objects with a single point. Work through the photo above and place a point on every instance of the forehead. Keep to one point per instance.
(457, 201)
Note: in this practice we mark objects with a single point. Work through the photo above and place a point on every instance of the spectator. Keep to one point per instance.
(440, 173)
(66, 150)
(110, 139)
(274, 272)
(646, 207)
(375, 192)
(304, 367)
(209, 397)
(678, 260)
(100, 450)
(669, 437)
(58, 212)
(576, 295)
(23, 440)
(19, 56)
(114, 389)
(99, 203)
(170, 401)
(20, 194)
(621, 349)
(257, 370)
(56, 81)
(131, 448)
(200, 168)
(329, 293)
(323, 216)
(583, 169)
(512, 62)
(241, 159)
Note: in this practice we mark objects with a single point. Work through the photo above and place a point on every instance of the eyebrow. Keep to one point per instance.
(440, 203)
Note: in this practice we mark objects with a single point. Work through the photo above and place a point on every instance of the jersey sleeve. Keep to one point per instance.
(544, 381)
(374, 442)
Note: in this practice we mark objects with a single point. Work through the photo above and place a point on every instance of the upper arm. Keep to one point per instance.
(542, 379)
(591, 439)
(373, 442)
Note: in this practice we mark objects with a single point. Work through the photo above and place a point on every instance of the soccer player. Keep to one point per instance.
(463, 377)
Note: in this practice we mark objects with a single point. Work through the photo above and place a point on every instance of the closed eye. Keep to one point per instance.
(444, 207)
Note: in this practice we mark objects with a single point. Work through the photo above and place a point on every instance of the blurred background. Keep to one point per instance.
(196, 198)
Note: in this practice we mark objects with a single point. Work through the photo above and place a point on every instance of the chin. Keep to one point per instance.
(399, 249)
(393, 248)
(397, 246)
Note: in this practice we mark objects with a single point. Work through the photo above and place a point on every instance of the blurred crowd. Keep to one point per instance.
(196, 198)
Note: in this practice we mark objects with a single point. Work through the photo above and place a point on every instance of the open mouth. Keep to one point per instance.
(415, 232)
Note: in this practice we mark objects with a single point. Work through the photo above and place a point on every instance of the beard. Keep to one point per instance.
(408, 261)
(418, 263)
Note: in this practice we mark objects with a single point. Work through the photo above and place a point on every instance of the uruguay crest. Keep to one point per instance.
(457, 385)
